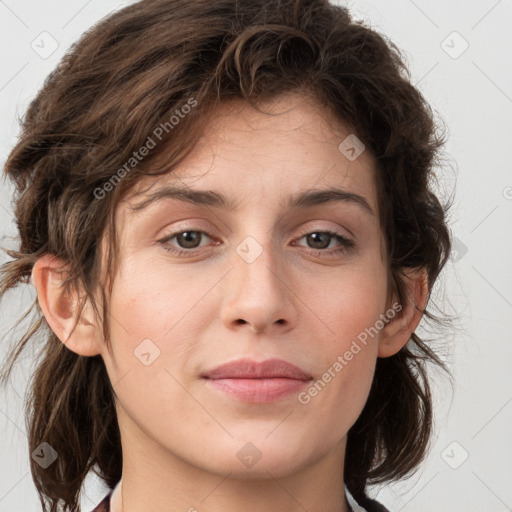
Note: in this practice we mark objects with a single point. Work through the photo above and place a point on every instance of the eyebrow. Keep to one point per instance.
(301, 200)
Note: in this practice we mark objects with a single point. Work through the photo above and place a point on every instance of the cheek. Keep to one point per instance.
(340, 388)
(153, 299)
(349, 301)
(152, 337)
(158, 316)
(348, 312)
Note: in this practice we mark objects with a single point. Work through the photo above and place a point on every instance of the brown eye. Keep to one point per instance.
(320, 241)
(187, 241)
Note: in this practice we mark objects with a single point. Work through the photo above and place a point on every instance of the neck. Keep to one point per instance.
(134, 502)
(159, 479)
(148, 485)
(116, 500)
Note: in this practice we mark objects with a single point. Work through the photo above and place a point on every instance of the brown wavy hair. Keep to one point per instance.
(121, 80)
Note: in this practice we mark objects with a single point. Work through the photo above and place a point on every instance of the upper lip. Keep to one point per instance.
(250, 369)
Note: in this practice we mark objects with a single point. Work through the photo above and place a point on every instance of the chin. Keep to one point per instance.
(257, 459)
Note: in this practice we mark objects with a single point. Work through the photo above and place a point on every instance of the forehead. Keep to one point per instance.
(295, 145)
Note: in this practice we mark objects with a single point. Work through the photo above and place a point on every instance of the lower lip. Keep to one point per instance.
(259, 391)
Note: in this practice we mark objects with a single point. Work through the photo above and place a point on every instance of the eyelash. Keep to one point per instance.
(346, 244)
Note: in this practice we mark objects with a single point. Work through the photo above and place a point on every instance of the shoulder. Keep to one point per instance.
(104, 505)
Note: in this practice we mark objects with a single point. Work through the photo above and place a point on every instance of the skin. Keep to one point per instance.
(180, 438)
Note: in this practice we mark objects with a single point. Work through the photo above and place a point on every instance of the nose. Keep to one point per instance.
(259, 292)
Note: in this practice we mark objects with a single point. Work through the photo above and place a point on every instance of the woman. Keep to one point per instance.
(225, 210)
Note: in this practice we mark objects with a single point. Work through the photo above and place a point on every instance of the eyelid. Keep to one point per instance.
(345, 243)
(179, 228)
(179, 231)
(334, 231)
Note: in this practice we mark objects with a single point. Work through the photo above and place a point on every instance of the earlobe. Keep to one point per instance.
(399, 330)
(60, 308)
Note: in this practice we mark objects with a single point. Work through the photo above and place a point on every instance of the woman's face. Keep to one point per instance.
(201, 284)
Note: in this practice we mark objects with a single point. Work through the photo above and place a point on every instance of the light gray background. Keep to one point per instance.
(472, 91)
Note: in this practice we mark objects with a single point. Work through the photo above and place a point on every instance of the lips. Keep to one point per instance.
(257, 382)
(250, 369)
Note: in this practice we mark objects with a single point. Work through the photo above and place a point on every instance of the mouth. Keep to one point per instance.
(257, 382)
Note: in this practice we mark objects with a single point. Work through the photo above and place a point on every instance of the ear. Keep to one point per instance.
(399, 329)
(60, 308)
